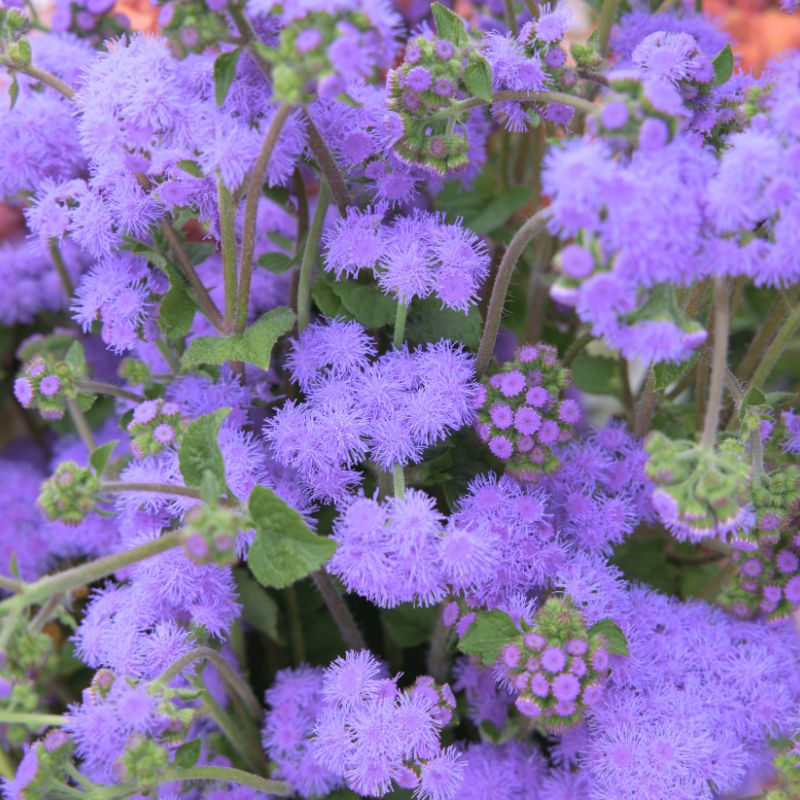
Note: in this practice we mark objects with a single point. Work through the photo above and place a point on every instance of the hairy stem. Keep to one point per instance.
(81, 425)
(98, 387)
(773, 353)
(31, 720)
(310, 256)
(251, 209)
(608, 13)
(41, 75)
(227, 231)
(577, 347)
(327, 166)
(230, 775)
(226, 671)
(719, 364)
(398, 480)
(351, 635)
(254, 757)
(71, 579)
(10, 585)
(61, 268)
(764, 336)
(578, 103)
(645, 407)
(532, 228)
(400, 324)
(437, 661)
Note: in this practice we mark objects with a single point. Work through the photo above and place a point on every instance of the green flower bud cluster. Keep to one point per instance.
(142, 762)
(767, 579)
(211, 535)
(70, 494)
(46, 384)
(314, 57)
(700, 492)
(785, 783)
(522, 414)
(155, 425)
(558, 668)
(190, 26)
(424, 90)
(43, 772)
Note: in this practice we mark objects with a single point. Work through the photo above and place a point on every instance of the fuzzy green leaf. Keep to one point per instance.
(253, 346)
(275, 262)
(100, 456)
(200, 450)
(611, 632)
(188, 753)
(478, 79)
(13, 92)
(224, 73)
(487, 634)
(723, 65)
(429, 322)
(449, 25)
(285, 548)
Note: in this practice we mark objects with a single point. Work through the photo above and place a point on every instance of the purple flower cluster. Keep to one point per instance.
(414, 257)
(522, 415)
(357, 406)
(351, 724)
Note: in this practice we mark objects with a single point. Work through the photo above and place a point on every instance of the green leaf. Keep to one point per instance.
(752, 397)
(192, 167)
(76, 358)
(253, 346)
(611, 632)
(199, 252)
(723, 65)
(224, 72)
(499, 210)
(487, 634)
(449, 25)
(275, 262)
(13, 92)
(478, 79)
(100, 456)
(594, 374)
(200, 451)
(285, 548)
(666, 373)
(259, 608)
(429, 322)
(410, 625)
(326, 299)
(188, 754)
(366, 303)
(24, 51)
(176, 310)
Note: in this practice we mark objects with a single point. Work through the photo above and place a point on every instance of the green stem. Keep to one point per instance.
(71, 579)
(578, 103)
(227, 672)
(172, 361)
(227, 232)
(338, 609)
(400, 324)
(773, 353)
(646, 407)
(398, 480)
(254, 757)
(98, 387)
(32, 720)
(229, 775)
(494, 313)
(608, 13)
(61, 268)
(249, 37)
(119, 487)
(437, 661)
(10, 585)
(81, 425)
(251, 209)
(327, 166)
(577, 347)
(719, 364)
(310, 255)
(41, 75)
(511, 19)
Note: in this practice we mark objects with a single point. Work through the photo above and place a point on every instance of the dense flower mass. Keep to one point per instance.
(399, 401)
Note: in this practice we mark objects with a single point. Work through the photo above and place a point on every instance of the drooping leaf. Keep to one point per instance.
(100, 456)
(253, 346)
(449, 25)
(188, 753)
(611, 632)
(285, 549)
(594, 374)
(177, 309)
(200, 450)
(487, 634)
(366, 303)
(478, 79)
(276, 262)
(259, 608)
(224, 73)
(410, 625)
(667, 372)
(723, 65)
